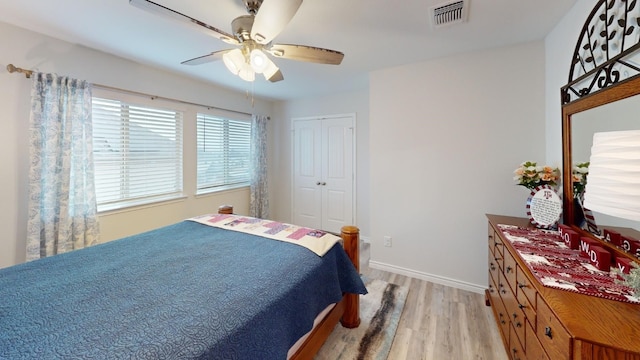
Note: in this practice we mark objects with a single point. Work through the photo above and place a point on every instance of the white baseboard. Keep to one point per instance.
(462, 285)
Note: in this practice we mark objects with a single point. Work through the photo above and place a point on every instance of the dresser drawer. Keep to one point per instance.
(516, 350)
(502, 286)
(501, 317)
(527, 310)
(497, 259)
(524, 302)
(552, 335)
(525, 288)
(516, 316)
(495, 241)
(494, 268)
(509, 270)
(534, 348)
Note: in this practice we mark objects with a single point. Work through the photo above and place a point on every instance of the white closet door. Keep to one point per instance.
(307, 170)
(324, 172)
(337, 170)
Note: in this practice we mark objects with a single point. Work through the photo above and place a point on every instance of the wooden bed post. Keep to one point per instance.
(351, 237)
(225, 209)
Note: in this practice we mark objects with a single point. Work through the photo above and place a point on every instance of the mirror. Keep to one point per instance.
(619, 115)
(604, 79)
(605, 110)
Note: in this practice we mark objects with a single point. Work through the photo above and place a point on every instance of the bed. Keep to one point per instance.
(184, 291)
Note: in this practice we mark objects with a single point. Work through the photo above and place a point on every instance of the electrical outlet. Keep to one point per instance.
(387, 241)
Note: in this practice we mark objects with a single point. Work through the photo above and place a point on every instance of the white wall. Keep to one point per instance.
(445, 138)
(30, 50)
(280, 152)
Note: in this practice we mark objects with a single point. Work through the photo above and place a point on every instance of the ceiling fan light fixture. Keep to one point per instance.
(234, 61)
(259, 61)
(254, 34)
(246, 73)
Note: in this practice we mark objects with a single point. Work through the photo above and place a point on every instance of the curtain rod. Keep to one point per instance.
(27, 73)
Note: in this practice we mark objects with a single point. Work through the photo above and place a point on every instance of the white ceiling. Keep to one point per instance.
(373, 34)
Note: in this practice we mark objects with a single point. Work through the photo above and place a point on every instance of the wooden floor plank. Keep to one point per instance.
(441, 322)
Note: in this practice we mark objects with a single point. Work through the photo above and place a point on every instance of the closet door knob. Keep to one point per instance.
(318, 183)
(324, 183)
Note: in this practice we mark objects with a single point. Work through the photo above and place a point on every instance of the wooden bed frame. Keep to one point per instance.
(347, 311)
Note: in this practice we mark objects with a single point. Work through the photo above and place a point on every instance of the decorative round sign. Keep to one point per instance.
(544, 207)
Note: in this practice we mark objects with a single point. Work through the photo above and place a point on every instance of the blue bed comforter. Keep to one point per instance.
(186, 291)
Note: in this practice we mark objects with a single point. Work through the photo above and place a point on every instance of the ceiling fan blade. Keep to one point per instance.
(165, 11)
(306, 53)
(277, 76)
(214, 56)
(272, 17)
(271, 72)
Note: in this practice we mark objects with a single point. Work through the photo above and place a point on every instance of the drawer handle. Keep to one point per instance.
(547, 332)
(492, 266)
(518, 324)
(509, 268)
(519, 305)
(515, 316)
(514, 354)
(520, 285)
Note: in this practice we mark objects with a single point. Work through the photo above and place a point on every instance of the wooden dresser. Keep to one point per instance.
(538, 322)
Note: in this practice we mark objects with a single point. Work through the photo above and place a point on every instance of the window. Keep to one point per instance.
(223, 152)
(137, 153)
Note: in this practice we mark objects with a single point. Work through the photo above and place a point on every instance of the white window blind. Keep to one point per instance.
(137, 153)
(223, 152)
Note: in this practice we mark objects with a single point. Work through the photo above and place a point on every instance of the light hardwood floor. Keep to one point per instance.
(440, 322)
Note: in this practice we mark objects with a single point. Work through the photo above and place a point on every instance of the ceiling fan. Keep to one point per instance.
(253, 35)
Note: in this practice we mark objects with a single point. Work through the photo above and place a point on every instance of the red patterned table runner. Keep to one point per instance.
(557, 266)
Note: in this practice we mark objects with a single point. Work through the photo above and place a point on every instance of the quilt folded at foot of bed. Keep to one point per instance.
(317, 241)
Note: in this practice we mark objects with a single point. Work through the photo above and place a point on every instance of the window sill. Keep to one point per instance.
(139, 204)
(219, 189)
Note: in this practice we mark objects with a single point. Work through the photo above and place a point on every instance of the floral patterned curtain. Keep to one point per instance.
(259, 203)
(62, 201)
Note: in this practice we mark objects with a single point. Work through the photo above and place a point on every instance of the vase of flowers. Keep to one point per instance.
(579, 174)
(544, 206)
(531, 175)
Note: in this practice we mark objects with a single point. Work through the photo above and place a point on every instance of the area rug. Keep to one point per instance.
(380, 312)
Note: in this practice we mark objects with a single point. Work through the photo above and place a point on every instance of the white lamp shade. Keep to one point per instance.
(234, 60)
(613, 183)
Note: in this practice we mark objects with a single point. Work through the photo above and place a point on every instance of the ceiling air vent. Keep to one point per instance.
(449, 13)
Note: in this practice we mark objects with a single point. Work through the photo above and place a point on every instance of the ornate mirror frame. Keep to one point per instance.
(605, 68)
